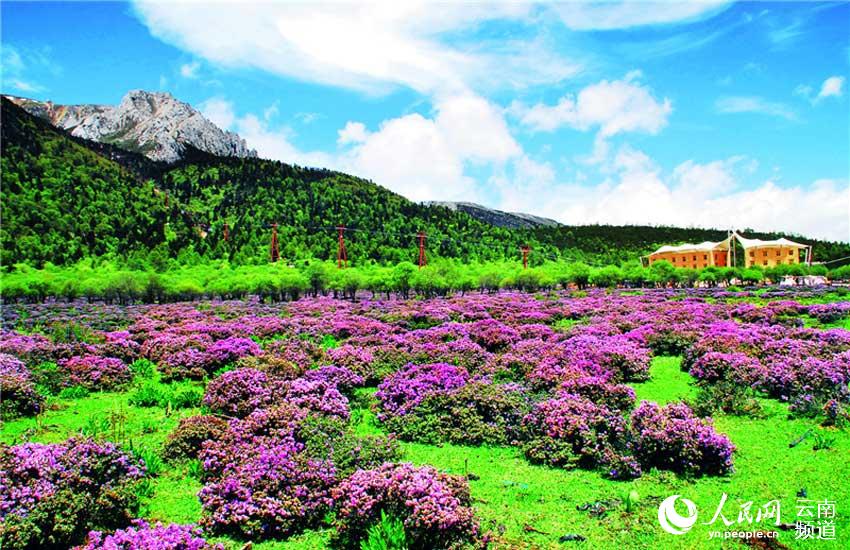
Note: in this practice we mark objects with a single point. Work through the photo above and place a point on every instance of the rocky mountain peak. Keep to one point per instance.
(152, 123)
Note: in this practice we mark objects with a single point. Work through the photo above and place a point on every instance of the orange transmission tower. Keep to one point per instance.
(341, 253)
(226, 232)
(275, 252)
(525, 250)
(422, 260)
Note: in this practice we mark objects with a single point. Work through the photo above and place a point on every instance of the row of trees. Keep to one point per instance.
(219, 279)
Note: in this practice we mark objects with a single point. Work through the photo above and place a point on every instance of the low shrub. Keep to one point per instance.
(96, 373)
(435, 508)
(674, 438)
(186, 440)
(570, 431)
(143, 536)
(238, 392)
(271, 491)
(401, 392)
(345, 380)
(18, 395)
(478, 413)
(617, 397)
(53, 495)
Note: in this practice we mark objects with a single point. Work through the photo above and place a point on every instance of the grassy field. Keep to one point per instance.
(530, 506)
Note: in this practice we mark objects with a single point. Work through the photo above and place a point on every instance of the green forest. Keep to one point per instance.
(67, 201)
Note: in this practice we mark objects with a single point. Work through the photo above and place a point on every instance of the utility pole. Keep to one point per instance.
(275, 252)
(341, 253)
(422, 260)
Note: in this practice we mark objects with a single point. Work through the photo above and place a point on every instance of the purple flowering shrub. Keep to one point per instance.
(18, 395)
(617, 397)
(271, 491)
(196, 356)
(402, 391)
(229, 350)
(277, 366)
(185, 364)
(492, 335)
(728, 382)
(96, 373)
(318, 396)
(479, 412)
(435, 508)
(239, 392)
(674, 438)
(143, 536)
(830, 313)
(186, 440)
(344, 379)
(714, 366)
(53, 495)
(570, 431)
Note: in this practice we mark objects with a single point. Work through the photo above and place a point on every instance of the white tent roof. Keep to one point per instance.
(701, 247)
(724, 245)
(754, 243)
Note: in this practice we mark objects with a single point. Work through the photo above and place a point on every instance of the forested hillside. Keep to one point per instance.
(67, 199)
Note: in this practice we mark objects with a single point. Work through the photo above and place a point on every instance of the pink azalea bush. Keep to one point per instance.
(673, 438)
(96, 373)
(239, 392)
(570, 431)
(144, 536)
(434, 507)
(18, 395)
(52, 495)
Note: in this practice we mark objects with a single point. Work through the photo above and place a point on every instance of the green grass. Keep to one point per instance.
(535, 505)
(667, 382)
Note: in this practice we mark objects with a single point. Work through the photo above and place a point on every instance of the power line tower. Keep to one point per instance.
(275, 252)
(525, 250)
(422, 260)
(341, 253)
(226, 232)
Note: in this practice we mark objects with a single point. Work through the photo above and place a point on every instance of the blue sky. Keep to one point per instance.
(707, 114)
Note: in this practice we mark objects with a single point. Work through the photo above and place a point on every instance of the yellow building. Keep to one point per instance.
(694, 256)
(771, 253)
(721, 254)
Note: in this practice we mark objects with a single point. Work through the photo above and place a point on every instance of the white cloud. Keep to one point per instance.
(611, 106)
(424, 158)
(190, 70)
(367, 47)
(754, 104)
(26, 87)
(693, 195)
(219, 111)
(832, 87)
(19, 64)
(308, 118)
(586, 16)
(475, 129)
(353, 132)
(419, 157)
(276, 144)
(411, 156)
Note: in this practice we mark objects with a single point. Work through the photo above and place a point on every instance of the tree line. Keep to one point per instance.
(109, 282)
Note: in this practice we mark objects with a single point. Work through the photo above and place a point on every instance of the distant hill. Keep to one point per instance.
(499, 218)
(66, 198)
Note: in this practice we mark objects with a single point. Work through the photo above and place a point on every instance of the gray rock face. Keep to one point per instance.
(152, 123)
(512, 220)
